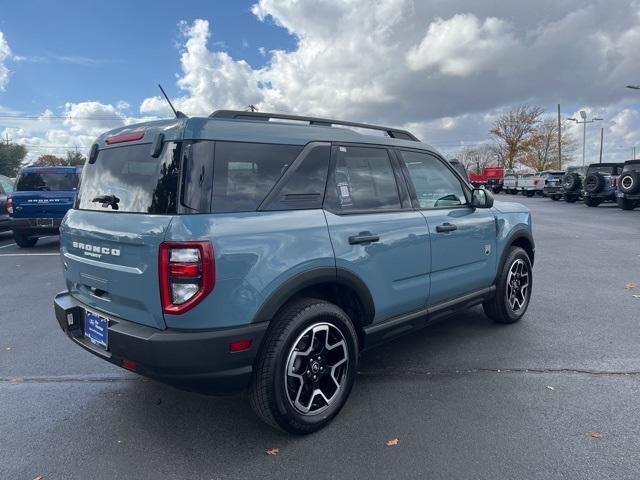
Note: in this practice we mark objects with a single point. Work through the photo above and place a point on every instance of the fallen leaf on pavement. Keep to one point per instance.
(596, 434)
(636, 296)
(550, 387)
(630, 285)
(272, 451)
(393, 442)
(39, 477)
(15, 380)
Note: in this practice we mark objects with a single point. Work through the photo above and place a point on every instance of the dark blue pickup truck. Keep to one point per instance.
(41, 198)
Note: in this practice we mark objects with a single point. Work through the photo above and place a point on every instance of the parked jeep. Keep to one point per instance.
(572, 183)
(267, 251)
(600, 183)
(629, 185)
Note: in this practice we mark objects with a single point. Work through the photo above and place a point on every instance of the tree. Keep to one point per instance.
(513, 130)
(75, 158)
(476, 158)
(542, 153)
(11, 156)
(49, 161)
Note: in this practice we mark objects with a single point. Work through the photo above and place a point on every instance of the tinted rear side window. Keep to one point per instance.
(244, 173)
(364, 180)
(141, 183)
(43, 180)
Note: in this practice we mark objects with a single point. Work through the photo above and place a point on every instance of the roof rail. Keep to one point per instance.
(325, 122)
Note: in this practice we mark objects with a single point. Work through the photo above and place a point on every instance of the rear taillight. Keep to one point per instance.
(9, 206)
(187, 275)
(614, 182)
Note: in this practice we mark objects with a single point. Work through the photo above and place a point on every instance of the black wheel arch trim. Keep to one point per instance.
(316, 276)
(520, 233)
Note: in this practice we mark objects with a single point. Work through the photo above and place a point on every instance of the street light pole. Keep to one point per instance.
(584, 122)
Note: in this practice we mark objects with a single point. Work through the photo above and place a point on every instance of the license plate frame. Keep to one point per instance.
(44, 222)
(96, 329)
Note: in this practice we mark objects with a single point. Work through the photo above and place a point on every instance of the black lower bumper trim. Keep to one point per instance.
(194, 360)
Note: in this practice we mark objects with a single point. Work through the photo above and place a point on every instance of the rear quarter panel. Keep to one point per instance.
(255, 253)
(513, 219)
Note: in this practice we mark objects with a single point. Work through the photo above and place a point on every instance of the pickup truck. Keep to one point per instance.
(552, 185)
(510, 182)
(6, 187)
(489, 177)
(41, 198)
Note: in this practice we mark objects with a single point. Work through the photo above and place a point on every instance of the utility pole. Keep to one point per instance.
(7, 138)
(601, 142)
(584, 122)
(559, 140)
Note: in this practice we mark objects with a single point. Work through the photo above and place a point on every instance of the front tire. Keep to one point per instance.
(513, 288)
(23, 241)
(306, 368)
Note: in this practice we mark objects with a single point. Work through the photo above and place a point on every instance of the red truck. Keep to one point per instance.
(489, 177)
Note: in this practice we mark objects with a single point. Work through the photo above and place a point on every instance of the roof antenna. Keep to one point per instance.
(177, 113)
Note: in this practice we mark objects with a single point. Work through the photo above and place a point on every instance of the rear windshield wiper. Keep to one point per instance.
(107, 201)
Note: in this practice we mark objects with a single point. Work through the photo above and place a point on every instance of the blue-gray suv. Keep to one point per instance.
(263, 251)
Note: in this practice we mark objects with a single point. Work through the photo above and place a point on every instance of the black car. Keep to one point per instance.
(629, 185)
(6, 187)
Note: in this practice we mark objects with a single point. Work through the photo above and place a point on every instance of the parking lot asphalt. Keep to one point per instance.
(554, 396)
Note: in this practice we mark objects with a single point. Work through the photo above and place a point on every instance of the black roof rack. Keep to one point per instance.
(325, 122)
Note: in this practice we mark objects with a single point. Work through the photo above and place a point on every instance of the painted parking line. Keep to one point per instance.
(13, 244)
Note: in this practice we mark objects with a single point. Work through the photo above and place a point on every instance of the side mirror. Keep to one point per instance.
(481, 198)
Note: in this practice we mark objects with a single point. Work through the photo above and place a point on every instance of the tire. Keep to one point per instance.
(279, 394)
(626, 204)
(571, 182)
(23, 241)
(496, 190)
(570, 198)
(530, 193)
(500, 308)
(555, 198)
(629, 182)
(592, 202)
(594, 182)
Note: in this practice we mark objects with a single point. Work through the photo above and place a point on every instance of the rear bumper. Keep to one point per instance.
(198, 360)
(552, 190)
(36, 226)
(629, 196)
(602, 195)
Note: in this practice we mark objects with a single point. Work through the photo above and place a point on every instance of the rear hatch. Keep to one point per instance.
(110, 241)
(46, 192)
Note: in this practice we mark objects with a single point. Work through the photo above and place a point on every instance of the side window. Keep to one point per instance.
(363, 179)
(304, 189)
(244, 173)
(197, 170)
(435, 185)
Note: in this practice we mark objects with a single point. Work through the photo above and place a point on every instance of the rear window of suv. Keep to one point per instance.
(139, 182)
(47, 180)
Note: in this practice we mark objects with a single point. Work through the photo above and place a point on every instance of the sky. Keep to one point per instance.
(444, 69)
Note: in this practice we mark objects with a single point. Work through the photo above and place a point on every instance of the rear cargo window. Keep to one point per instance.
(607, 170)
(46, 180)
(129, 179)
(244, 173)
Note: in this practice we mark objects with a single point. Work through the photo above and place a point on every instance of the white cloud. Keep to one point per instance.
(463, 45)
(5, 52)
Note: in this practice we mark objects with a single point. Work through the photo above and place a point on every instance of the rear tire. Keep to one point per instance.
(626, 204)
(555, 198)
(592, 202)
(294, 365)
(23, 241)
(513, 288)
(570, 198)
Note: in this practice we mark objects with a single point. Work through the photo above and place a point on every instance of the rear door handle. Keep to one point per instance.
(364, 237)
(446, 227)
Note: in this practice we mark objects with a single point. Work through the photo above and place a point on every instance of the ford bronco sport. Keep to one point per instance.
(629, 185)
(242, 250)
(600, 183)
(40, 200)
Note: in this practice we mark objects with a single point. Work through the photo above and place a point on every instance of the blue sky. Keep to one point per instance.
(118, 50)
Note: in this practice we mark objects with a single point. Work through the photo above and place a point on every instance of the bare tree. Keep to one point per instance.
(542, 151)
(477, 157)
(513, 130)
